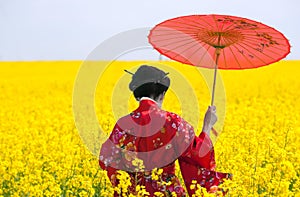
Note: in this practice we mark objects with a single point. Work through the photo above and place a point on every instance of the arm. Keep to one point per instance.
(198, 162)
(201, 150)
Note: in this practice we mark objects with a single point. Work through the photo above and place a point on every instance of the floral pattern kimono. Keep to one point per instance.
(159, 138)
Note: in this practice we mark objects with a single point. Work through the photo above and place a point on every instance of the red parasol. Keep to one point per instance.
(219, 41)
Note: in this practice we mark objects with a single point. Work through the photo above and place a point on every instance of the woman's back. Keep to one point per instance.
(150, 138)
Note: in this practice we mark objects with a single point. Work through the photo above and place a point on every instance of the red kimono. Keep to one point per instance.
(159, 138)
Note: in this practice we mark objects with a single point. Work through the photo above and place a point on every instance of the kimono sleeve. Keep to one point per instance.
(198, 163)
(200, 152)
(110, 153)
(193, 149)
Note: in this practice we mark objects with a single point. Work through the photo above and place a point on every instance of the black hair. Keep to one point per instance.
(152, 90)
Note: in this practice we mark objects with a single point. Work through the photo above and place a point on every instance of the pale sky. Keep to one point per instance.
(71, 29)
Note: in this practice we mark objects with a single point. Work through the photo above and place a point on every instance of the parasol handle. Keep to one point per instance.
(215, 76)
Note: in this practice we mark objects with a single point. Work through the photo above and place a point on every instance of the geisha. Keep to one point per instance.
(158, 138)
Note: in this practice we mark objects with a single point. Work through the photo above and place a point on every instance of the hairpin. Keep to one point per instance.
(158, 81)
(166, 75)
(129, 72)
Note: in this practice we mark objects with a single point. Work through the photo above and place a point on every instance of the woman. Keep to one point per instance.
(158, 138)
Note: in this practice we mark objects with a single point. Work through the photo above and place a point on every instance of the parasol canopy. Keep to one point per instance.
(219, 41)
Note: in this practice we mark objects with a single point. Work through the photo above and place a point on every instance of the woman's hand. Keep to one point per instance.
(210, 119)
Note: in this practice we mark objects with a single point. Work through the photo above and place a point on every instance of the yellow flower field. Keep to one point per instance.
(42, 153)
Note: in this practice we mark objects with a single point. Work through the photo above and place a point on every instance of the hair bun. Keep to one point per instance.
(148, 74)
